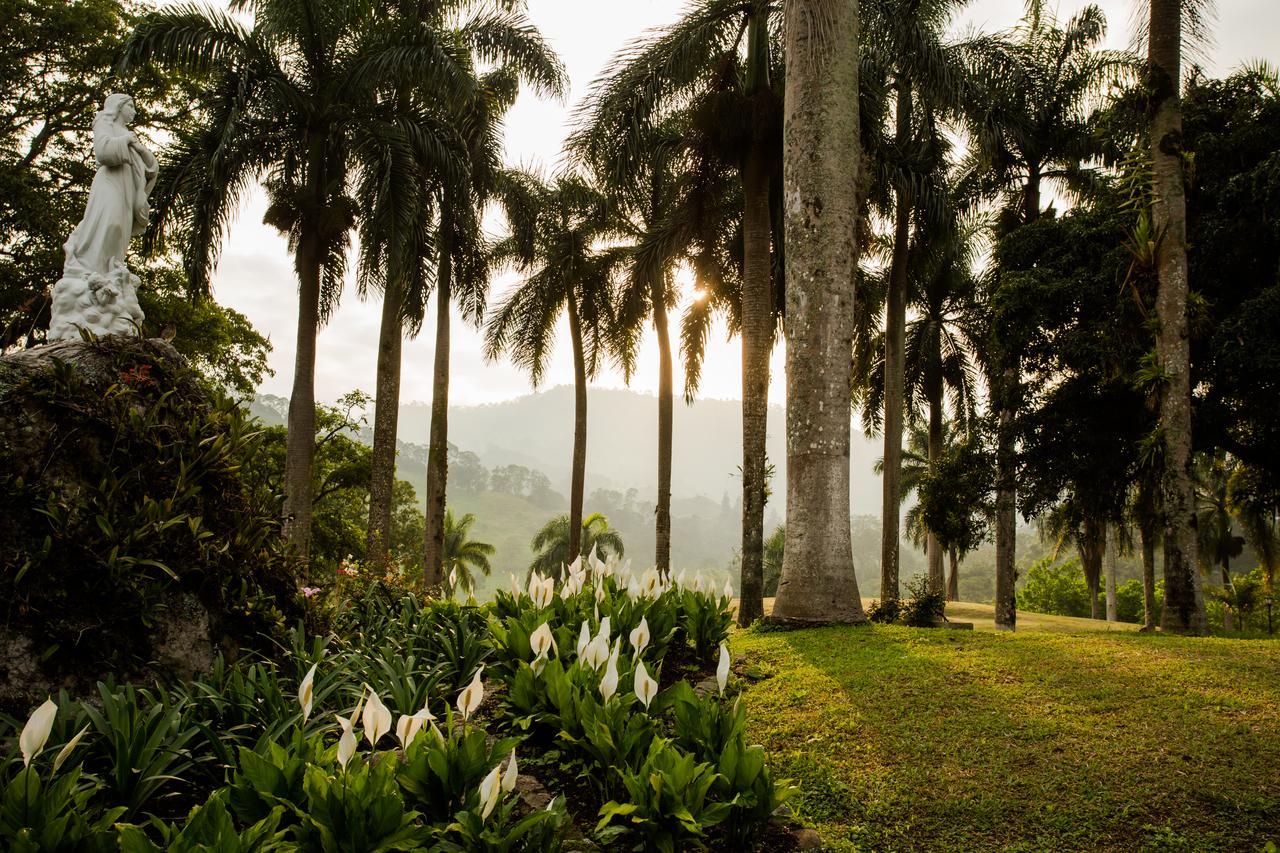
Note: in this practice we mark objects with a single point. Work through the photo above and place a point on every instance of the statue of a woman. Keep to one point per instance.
(117, 207)
(97, 292)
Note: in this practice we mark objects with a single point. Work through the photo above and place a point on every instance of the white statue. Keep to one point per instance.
(97, 291)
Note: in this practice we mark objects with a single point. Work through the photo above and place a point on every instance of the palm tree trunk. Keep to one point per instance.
(1228, 619)
(821, 146)
(1093, 543)
(386, 414)
(300, 446)
(953, 581)
(1004, 389)
(579, 474)
(1147, 532)
(757, 341)
(438, 450)
(937, 583)
(895, 334)
(1183, 597)
(666, 394)
(1109, 568)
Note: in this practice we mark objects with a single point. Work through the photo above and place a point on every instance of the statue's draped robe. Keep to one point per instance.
(117, 207)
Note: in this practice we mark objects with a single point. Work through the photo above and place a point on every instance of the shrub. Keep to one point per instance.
(1055, 588)
(925, 608)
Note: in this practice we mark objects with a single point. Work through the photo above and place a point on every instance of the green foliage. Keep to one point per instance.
(359, 808)
(924, 608)
(145, 502)
(506, 832)
(1055, 587)
(52, 816)
(443, 768)
(669, 804)
(706, 621)
(551, 544)
(208, 829)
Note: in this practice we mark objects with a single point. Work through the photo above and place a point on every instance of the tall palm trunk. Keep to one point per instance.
(1146, 530)
(953, 580)
(1006, 391)
(386, 415)
(757, 330)
(1228, 620)
(300, 445)
(666, 394)
(895, 334)
(1183, 597)
(438, 451)
(821, 145)
(579, 474)
(757, 341)
(1093, 542)
(1109, 568)
(937, 583)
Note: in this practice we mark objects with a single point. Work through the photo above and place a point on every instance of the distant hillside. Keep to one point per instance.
(622, 443)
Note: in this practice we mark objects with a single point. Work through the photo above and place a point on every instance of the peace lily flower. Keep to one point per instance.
(697, 582)
(515, 587)
(510, 775)
(306, 692)
(584, 639)
(453, 577)
(645, 686)
(541, 590)
(377, 718)
(471, 696)
(728, 588)
(67, 750)
(722, 671)
(680, 578)
(609, 684)
(599, 593)
(347, 743)
(36, 732)
(640, 636)
(408, 726)
(490, 789)
(542, 640)
(651, 583)
(576, 566)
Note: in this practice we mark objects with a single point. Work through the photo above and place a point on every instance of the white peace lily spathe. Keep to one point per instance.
(728, 588)
(722, 671)
(490, 790)
(541, 590)
(471, 696)
(515, 586)
(36, 732)
(408, 726)
(584, 639)
(697, 582)
(66, 750)
(543, 643)
(376, 719)
(511, 774)
(347, 743)
(645, 686)
(307, 692)
(453, 577)
(680, 578)
(640, 636)
(609, 684)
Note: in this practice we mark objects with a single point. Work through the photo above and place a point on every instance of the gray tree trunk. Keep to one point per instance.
(1109, 568)
(1183, 596)
(820, 155)
(937, 582)
(757, 341)
(386, 414)
(438, 447)
(1148, 534)
(895, 334)
(579, 475)
(300, 445)
(953, 580)
(662, 515)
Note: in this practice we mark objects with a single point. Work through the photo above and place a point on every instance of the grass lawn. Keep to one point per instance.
(1052, 739)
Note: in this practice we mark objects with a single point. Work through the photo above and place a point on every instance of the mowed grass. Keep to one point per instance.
(909, 739)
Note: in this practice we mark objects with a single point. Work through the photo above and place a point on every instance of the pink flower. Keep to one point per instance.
(309, 591)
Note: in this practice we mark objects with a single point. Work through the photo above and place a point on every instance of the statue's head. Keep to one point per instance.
(119, 107)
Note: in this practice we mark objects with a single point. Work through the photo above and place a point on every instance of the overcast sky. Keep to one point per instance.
(255, 275)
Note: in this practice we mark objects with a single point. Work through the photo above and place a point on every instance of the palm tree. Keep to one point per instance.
(1183, 597)
(1030, 120)
(554, 548)
(464, 556)
(717, 60)
(925, 73)
(462, 268)
(451, 242)
(821, 147)
(557, 248)
(298, 102)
